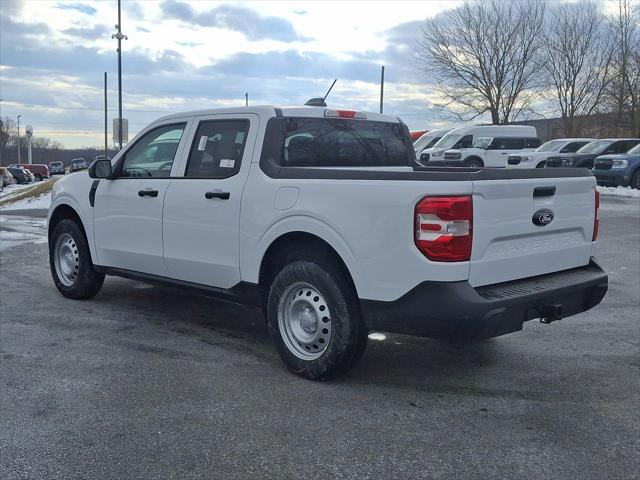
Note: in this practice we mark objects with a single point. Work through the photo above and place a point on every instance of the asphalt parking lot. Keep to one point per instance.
(147, 382)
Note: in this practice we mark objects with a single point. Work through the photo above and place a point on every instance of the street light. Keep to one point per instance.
(18, 117)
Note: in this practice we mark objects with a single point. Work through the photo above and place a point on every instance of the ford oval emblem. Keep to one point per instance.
(542, 217)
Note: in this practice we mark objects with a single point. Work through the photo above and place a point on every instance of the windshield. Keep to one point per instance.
(595, 147)
(635, 150)
(333, 142)
(448, 141)
(551, 146)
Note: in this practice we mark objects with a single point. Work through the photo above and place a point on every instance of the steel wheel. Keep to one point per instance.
(304, 321)
(66, 259)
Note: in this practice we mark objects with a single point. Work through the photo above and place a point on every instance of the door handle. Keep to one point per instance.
(220, 195)
(147, 193)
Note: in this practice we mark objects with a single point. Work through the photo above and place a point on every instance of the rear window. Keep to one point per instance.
(331, 142)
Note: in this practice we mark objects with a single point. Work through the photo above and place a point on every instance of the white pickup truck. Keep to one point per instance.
(320, 218)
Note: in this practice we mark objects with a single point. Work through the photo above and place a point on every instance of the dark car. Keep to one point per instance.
(39, 170)
(585, 157)
(78, 164)
(56, 168)
(20, 175)
(619, 170)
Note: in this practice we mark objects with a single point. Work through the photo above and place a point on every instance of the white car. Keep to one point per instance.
(427, 141)
(483, 145)
(317, 217)
(558, 148)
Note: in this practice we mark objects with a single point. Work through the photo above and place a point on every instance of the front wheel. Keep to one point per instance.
(474, 163)
(635, 180)
(70, 262)
(315, 321)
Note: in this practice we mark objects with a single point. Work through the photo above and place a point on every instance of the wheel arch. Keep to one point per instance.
(294, 245)
(65, 211)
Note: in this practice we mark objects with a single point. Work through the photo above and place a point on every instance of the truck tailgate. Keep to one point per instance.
(508, 245)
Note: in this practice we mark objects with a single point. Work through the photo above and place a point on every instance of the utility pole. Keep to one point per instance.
(119, 36)
(18, 118)
(381, 88)
(246, 99)
(105, 115)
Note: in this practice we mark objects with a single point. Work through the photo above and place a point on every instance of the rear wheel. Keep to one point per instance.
(70, 262)
(315, 321)
(38, 177)
(635, 180)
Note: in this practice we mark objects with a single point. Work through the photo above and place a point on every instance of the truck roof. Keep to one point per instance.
(270, 111)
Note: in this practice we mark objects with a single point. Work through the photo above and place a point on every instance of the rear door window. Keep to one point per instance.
(330, 142)
(217, 148)
(507, 144)
(532, 142)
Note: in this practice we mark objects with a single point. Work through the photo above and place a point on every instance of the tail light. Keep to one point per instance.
(596, 221)
(444, 228)
(344, 114)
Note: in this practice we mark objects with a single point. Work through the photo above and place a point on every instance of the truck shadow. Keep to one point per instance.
(390, 360)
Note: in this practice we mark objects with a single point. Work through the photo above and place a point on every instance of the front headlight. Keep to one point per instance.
(524, 158)
(566, 162)
(620, 164)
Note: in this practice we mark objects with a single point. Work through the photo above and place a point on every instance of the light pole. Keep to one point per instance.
(119, 36)
(18, 118)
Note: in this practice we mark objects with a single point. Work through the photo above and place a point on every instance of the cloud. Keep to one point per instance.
(230, 17)
(80, 7)
(98, 31)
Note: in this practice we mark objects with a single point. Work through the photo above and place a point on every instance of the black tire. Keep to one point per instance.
(38, 177)
(541, 164)
(348, 334)
(87, 282)
(635, 180)
(474, 162)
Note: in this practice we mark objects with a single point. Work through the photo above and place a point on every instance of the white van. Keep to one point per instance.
(428, 140)
(483, 145)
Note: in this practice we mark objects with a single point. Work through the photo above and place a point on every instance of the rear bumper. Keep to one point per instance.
(457, 310)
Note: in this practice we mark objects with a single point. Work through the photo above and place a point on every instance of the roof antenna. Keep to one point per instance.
(320, 102)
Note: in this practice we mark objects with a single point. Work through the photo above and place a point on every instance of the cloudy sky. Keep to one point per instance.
(183, 55)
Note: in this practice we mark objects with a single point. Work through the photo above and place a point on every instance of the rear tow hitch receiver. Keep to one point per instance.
(551, 312)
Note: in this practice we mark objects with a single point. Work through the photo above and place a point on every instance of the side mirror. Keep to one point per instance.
(100, 169)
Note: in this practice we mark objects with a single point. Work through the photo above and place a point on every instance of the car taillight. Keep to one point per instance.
(596, 221)
(344, 114)
(444, 228)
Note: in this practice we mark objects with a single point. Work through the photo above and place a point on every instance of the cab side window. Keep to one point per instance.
(572, 147)
(464, 142)
(153, 154)
(217, 149)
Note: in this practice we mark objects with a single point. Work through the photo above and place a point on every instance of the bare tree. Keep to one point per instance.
(7, 139)
(484, 57)
(577, 59)
(623, 94)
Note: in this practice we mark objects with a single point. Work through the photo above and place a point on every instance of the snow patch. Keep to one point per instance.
(619, 191)
(22, 230)
(40, 202)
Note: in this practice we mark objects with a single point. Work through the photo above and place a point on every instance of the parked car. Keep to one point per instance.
(483, 145)
(416, 134)
(7, 178)
(585, 157)
(21, 176)
(29, 173)
(56, 168)
(235, 206)
(39, 170)
(427, 141)
(78, 164)
(619, 170)
(538, 158)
